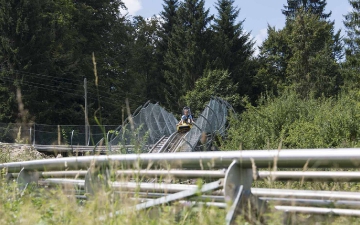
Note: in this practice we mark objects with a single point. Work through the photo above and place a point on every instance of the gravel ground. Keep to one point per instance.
(16, 153)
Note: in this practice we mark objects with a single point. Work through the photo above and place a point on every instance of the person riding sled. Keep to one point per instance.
(186, 117)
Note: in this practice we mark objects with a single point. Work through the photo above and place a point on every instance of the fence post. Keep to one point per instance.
(29, 137)
(34, 134)
(59, 136)
(72, 134)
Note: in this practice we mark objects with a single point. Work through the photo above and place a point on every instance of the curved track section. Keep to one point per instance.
(152, 125)
(210, 122)
(146, 127)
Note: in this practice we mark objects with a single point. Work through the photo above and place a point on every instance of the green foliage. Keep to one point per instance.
(316, 7)
(312, 67)
(143, 64)
(187, 55)
(302, 56)
(232, 47)
(274, 54)
(351, 66)
(292, 122)
(213, 83)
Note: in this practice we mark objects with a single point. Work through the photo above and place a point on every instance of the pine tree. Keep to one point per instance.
(351, 68)
(167, 23)
(168, 16)
(144, 64)
(312, 69)
(46, 52)
(314, 6)
(303, 56)
(273, 60)
(37, 52)
(187, 56)
(233, 48)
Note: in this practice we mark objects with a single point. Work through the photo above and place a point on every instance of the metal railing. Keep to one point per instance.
(228, 178)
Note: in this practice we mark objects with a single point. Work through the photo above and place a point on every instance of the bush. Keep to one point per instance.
(292, 122)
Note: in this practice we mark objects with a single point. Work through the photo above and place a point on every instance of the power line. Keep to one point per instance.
(51, 88)
(38, 74)
(51, 78)
(29, 83)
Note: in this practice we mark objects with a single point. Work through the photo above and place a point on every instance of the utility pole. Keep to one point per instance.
(86, 115)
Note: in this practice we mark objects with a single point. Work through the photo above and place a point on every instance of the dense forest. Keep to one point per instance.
(303, 72)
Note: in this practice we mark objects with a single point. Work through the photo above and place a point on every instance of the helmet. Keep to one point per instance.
(187, 108)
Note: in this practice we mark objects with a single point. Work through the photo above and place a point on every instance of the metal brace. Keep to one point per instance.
(97, 179)
(25, 177)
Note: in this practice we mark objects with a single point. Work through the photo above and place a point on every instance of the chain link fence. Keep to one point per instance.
(147, 125)
(151, 122)
(43, 134)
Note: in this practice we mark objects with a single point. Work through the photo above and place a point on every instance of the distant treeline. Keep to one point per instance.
(181, 57)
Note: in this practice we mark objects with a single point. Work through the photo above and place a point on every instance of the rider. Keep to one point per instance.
(187, 117)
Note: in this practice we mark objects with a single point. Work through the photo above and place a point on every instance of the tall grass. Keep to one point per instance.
(292, 122)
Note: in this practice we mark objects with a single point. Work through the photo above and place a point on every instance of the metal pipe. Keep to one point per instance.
(144, 187)
(154, 187)
(59, 174)
(346, 158)
(75, 182)
(212, 198)
(221, 205)
(180, 195)
(312, 210)
(334, 195)
(216, 174)
(186, 203)
(174, 173)
(312, 202)
(311, 175)
(259, 192)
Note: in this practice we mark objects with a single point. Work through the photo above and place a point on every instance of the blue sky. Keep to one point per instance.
(257, 13)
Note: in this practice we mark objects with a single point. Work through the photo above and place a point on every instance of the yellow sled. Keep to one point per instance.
(183, 127)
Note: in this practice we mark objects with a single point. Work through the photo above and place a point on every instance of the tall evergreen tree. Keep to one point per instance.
(314, 6)
(273, 59)
(46, 52)
(351, 67)
(144, 64)
(37, 55)
(167, 23)
(313, 67)
(187, 56)
(303, 56)
(233, 48)
(168, 16)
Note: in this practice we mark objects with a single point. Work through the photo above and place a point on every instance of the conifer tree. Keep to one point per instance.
(314, 6)
(168, 16)
(352, 46)
(187, 56)
(233, 48)
(303, 56)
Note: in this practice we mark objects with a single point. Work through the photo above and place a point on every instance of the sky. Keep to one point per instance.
(256, 13)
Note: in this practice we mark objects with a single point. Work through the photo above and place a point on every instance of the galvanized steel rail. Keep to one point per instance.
(312, 158)
(230, 171)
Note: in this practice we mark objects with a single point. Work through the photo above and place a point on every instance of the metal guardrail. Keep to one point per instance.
(228, 175)
(313, 158)
(71, 149)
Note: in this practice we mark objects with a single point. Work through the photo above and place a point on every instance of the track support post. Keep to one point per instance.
(237, 193)
(25, 177)
(97, 179)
